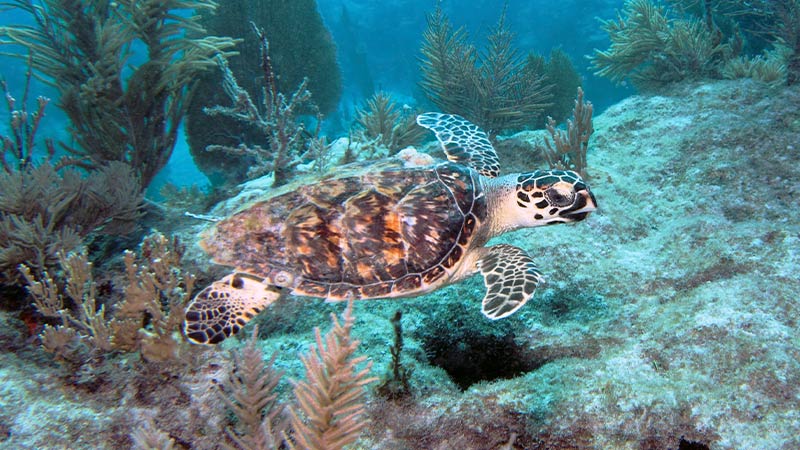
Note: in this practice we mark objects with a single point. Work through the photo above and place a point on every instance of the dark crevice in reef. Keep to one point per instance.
(471, 358)
(691, 445)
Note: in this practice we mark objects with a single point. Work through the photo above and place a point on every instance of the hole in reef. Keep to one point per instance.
(470, 357)
(691, 445)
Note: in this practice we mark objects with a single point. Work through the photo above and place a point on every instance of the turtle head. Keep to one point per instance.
(547, 197)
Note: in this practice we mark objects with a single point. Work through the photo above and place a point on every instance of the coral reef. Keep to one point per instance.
(762, 23)
(652, 49)
(382, 122)
(144, 321)
(310, 55)
(46, 208)
(769, 68)
(288, 141)
(396, 384)
(668, 321)
(332, 397)
(497, 89)
(44, 211)
(120, 110)
(569, 148)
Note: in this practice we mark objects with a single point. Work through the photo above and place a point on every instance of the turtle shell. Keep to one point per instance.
(384, 234)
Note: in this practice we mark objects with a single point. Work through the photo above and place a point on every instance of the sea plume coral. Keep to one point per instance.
(332, 396)
(248, 391)
(496, 89)
(652, 48)
(388, 125)
(120, 110)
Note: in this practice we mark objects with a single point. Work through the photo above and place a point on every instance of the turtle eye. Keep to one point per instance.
(560, 195)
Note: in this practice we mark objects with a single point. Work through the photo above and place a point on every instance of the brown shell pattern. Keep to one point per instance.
(385, 234)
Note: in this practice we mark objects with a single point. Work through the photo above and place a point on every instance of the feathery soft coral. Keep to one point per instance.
(332, 396)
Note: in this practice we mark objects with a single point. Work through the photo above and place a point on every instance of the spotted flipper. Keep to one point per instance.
(463, 142)
(222, 309)
(510, 276)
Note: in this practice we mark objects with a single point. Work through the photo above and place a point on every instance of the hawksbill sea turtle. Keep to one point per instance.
(388, 233)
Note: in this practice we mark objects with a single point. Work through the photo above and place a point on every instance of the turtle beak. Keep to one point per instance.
(584, 204)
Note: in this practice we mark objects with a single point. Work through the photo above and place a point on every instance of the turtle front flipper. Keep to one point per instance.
(510, 276)
(463, 142)
(222, 309)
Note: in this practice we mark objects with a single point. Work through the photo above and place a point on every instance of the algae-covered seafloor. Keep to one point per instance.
(669, 317)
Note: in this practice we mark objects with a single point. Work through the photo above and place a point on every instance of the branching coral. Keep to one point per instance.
(332, 396)
(87, 321)
(156, 289)
(43, 212)
(22, 126)
(569, 148)
(496, 89)
(287, 138)
(295, 55)
(248, 391)
(383, 122)
(652, 49)
(46, 209)
(120, 111)
(145, 320)
(396, 385)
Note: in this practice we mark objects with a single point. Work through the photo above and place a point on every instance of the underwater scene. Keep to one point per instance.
(438, 224)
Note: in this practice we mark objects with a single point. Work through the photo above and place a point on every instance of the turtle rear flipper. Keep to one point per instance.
(222, 309)
(463, 142)
(510, 276)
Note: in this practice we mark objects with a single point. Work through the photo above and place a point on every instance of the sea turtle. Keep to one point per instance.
(389, 233)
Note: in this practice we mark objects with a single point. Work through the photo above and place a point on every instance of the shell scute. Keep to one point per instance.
(331, 193)
(433, 274)
(408, 283)
(376, 290)
(373, 250)
(315, 240)
(454, 257)
(459, 183)
(342, 291)
(467, 231)
(312, 288)
(431, 223)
